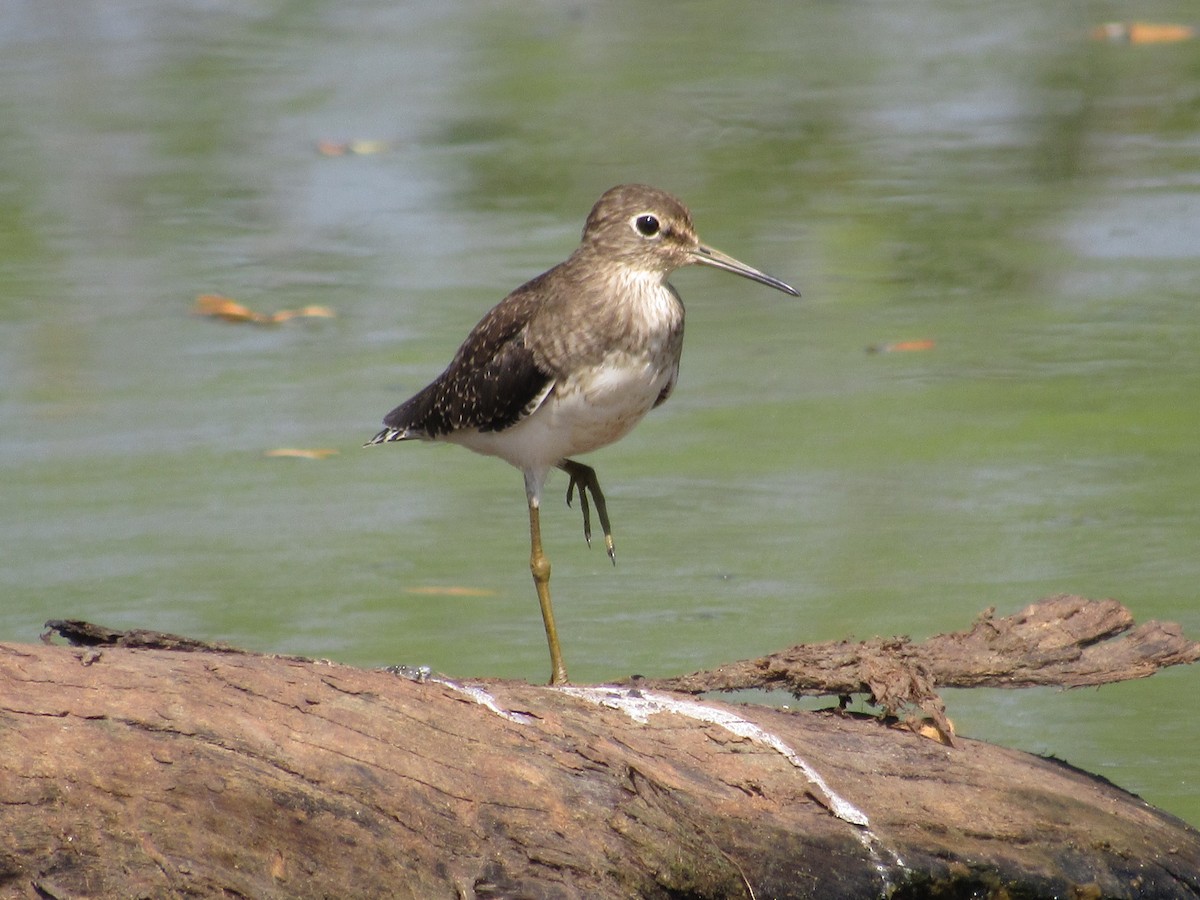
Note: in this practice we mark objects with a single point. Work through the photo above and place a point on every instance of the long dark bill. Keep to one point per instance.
(707, 256)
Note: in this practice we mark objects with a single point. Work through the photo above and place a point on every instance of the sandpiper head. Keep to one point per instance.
(650, 230)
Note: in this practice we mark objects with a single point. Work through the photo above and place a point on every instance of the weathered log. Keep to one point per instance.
(158, 773)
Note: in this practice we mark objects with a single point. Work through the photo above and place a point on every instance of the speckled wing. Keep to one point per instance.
(492, 383)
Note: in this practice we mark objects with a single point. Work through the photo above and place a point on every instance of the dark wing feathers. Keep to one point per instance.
(493, 381)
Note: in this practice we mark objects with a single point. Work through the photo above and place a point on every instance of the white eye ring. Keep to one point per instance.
(646, 224)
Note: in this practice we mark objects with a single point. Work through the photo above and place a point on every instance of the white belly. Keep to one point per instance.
(589, 410)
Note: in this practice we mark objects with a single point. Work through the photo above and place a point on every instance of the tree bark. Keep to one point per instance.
(130, 771)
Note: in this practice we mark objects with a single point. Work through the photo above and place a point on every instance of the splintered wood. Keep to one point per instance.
(1065, 641)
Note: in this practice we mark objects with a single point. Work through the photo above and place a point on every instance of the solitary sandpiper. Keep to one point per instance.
(570, 361)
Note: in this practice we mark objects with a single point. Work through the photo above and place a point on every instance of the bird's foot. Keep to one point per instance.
(584, 478)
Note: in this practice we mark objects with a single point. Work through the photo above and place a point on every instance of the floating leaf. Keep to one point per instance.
(450, 590)
(229, 310)
(902, 346)
(333, 148)
(368, 147)
(312, 312)
(225, 308)
(297, 453)
(1142, 33)
(360, 147)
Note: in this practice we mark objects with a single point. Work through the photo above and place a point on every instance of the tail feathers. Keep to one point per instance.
(393, 434)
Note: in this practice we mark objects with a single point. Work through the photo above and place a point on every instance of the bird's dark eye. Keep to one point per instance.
(646, 225)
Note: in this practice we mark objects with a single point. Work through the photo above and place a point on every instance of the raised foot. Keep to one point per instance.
(584, 478)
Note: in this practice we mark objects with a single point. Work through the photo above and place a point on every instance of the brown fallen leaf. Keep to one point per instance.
(359, 147)
(297, 453)
(226, 308)
(450, 590)
(1142, 33)
(927, 728)
(333, 148)
(902, 346)
(229, 310)
(312, 312)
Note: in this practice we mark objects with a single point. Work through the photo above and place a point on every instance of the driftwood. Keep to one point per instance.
(1065, 641)
(132, 771)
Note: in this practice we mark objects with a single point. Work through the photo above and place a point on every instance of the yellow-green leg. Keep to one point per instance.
(539, 565)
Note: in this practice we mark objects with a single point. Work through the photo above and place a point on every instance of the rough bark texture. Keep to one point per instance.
(1065, 641)
(158, 773)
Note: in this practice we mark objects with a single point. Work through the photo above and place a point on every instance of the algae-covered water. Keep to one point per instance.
(1010, 204)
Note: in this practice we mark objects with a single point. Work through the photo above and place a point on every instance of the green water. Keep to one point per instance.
(985, 178)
